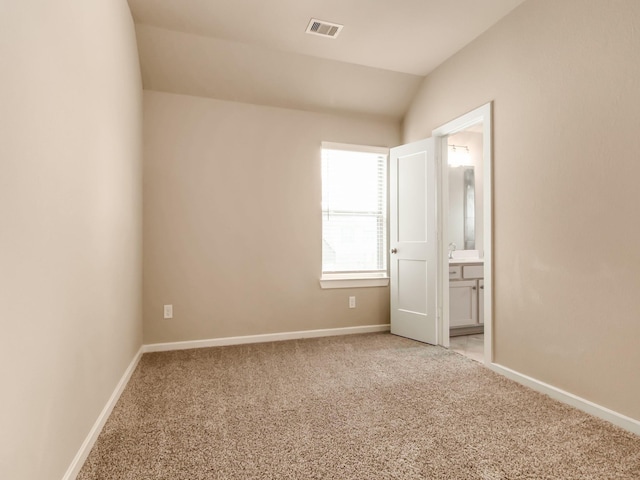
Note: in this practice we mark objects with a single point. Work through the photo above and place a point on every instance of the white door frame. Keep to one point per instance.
(440, 134)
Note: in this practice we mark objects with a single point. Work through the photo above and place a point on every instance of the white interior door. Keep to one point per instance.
(413, 241)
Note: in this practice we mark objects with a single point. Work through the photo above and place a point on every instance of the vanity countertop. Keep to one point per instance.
(460, 261)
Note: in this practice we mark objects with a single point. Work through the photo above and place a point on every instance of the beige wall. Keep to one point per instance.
(564, 79)
(70, 240)
(232, 225)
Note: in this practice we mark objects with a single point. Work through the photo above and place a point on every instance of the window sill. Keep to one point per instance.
(353, 280)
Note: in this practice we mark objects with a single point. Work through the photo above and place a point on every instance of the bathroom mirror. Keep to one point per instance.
(466, 187)
(462, 207)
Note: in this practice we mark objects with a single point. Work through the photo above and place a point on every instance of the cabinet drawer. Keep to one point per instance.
(472, 271)
(455, 272)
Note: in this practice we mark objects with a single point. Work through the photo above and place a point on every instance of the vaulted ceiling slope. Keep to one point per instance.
(227, 70)
(256, 51)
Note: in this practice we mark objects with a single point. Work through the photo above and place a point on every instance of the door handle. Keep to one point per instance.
(394, 250)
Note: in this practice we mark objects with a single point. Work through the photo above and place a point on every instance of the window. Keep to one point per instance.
(354, 215)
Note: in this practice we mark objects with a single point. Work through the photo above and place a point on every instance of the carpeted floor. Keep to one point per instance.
(369, 406)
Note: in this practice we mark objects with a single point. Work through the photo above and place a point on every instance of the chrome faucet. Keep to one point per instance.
(452, 248)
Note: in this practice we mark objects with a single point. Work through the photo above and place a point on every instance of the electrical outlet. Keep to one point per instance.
(168, 311)
(352, 302)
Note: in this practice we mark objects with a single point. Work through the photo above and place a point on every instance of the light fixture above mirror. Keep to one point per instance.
(459, 156)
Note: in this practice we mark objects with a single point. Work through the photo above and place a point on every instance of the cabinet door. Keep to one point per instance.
(481, 302)
(463, 303)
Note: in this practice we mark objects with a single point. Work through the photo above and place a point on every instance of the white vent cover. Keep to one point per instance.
(324, 29)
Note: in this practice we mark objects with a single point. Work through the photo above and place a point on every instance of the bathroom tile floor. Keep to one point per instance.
(471, 346)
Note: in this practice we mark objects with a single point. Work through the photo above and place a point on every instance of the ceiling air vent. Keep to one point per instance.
(324, 29)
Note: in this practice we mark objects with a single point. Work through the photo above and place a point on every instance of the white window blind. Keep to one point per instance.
(354, 209)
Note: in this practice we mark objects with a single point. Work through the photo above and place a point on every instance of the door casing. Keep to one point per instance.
(482, 114)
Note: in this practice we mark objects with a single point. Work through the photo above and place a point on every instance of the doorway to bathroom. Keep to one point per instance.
(464, 158)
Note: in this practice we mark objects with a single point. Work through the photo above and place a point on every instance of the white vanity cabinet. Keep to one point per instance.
(466, 295)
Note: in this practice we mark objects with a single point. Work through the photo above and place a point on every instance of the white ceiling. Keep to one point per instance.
(256, 51)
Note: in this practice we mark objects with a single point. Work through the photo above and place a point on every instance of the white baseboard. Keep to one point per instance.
(591, 408)
(87, 445)
(269, 337)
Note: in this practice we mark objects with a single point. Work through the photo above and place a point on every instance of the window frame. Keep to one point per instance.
(359, 279)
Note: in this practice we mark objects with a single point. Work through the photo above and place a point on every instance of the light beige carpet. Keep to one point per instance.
(356, 407)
